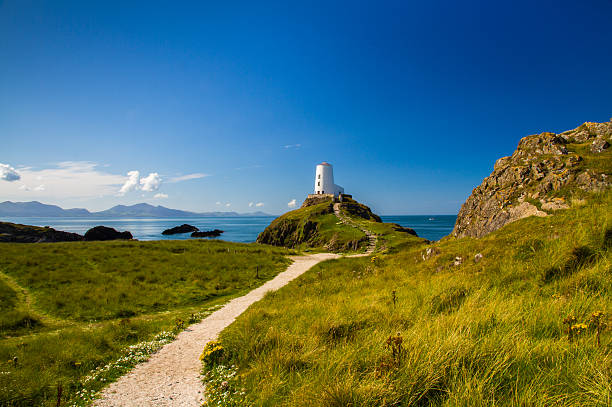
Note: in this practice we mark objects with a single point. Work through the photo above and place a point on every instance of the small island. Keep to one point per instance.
(207, 233)
(184, 228)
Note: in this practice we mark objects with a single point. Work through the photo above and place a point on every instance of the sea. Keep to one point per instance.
(242, 229)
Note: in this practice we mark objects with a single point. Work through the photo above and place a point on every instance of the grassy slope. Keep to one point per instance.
(331, 234)
(481, 333)
(68, 308)
(292, 228)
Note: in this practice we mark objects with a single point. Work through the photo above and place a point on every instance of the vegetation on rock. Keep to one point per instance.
(315, 225)
(545, 173)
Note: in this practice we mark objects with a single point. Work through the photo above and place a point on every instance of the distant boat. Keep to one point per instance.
(432, 219)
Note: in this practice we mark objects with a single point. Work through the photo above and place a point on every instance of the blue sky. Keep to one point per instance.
(236, 102)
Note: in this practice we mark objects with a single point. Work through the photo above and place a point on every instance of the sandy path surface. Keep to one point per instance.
(171, 377)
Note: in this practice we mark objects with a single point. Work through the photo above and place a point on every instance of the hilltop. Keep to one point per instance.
(315, 226)
(546, 173)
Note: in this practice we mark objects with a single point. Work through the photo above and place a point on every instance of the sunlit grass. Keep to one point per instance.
(71, 308)
(475, 331)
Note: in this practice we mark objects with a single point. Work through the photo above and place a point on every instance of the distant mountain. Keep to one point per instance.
(35, 208)
(141, 210)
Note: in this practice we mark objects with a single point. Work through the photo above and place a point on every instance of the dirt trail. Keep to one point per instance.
(372, 238)
(171, 377)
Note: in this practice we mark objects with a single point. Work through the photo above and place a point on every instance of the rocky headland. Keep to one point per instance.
(543, 175)
(17, 233)
(315, 225)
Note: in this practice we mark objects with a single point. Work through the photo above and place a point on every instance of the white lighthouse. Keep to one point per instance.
(324, 181)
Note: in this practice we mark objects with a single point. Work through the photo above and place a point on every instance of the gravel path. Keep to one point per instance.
(171, 377)
(372, 238)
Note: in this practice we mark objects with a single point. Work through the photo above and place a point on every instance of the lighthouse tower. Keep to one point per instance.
(324, 180)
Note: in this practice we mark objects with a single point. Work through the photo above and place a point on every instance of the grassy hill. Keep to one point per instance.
(460, 322)
(315, 226)
(79, 314)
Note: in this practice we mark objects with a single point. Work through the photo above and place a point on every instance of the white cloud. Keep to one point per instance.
(228, 204)
(259, 204)
(131, 183)
(288, 146)
(188, 177)
(151, 182)
(251, 204)
(8, 173)
(218, 203)
(160, 196)
(292, 203)
(69, 180)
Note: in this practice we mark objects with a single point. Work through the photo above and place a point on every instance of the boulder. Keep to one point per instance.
(554, 205)
(184, 228)
(599, 145)
(430, 252)
(106, 233)
(207, 233)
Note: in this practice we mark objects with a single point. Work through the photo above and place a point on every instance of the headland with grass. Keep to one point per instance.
(512, 309)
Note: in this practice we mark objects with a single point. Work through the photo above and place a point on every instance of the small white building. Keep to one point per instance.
(324, 181)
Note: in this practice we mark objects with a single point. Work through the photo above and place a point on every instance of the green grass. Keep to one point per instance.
(484, 332)
(71, 308)
(598, 162)
(316, 228)
(313, 228)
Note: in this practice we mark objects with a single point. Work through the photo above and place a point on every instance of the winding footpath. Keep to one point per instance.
(171, 377)
(372, 238)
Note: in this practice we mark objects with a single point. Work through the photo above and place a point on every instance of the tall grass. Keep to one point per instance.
(474, 331)
(71, 308)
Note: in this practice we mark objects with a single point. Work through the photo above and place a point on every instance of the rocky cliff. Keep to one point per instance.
(545, 172)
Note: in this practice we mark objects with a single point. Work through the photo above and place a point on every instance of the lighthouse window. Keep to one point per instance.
(318, 184)
(319, 176)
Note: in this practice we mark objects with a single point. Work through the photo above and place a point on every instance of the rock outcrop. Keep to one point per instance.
(403, 229)
(540, 176)
(106, 233)
(296, 227)
(207, 233)
(360, 210)
(184, 228)
(16, 233)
